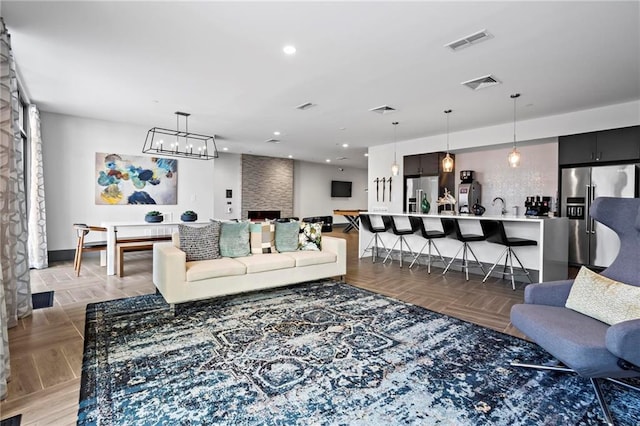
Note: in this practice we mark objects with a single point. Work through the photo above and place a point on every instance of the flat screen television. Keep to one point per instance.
(340, 188)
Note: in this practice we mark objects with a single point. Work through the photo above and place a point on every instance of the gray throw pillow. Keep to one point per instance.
(200, 242)
(287, 236)
(234, 239)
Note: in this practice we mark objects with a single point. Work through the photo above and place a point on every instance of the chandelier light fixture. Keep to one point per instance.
(447, 161)
(514, 155)
(180, 143)
(395, 168)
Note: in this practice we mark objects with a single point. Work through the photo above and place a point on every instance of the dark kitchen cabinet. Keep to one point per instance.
(605, 146)
(576, 149)
(423, 164)
(618, 144)
(411, 165)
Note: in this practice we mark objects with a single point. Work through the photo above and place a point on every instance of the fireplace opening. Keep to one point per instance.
(263, 214)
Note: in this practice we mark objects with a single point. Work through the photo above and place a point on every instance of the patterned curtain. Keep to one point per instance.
(38, 257)
(14, 260)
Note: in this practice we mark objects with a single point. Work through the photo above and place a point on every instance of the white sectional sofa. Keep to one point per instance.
(180, 281)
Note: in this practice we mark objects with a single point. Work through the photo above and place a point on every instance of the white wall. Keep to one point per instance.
(312, 190)
(69, 147)
(538, 129)
(227, 174)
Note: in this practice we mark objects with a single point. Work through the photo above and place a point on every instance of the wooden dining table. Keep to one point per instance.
(352, 216)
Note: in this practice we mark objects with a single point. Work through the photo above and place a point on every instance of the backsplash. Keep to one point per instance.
(537, 174)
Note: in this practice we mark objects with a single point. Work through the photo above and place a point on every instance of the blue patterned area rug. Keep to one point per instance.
(318, 353)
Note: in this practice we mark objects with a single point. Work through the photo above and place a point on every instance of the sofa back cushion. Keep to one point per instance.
(234, 239)
(287, 236)
(200, 242)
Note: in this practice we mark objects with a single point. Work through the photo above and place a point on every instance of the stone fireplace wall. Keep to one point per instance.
(267, 184)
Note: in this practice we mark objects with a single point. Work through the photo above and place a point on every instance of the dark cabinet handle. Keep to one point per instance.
(599, 156)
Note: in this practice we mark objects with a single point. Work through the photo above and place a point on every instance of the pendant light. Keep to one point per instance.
(204, 149)
(514, 155)
(447, 161)
(395, 169)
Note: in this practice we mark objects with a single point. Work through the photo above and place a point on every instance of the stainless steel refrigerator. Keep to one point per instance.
(590, 242)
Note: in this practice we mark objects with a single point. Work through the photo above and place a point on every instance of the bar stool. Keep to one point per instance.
(400, 232)
(429, 235)
(375, 230)
(452, 227)
(495, 233)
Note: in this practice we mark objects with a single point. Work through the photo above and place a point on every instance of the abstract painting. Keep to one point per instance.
(135, 179)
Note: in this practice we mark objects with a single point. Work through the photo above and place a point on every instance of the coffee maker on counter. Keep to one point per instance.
(469, 191)
(536, 205)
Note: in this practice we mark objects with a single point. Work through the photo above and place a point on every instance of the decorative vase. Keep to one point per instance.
(188, 217)
(424, 205)
(153, 219)
(478, 209)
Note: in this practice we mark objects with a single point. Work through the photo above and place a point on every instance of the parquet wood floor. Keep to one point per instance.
(46, 348)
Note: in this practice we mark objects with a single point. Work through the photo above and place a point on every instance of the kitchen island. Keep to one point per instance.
(547, 261)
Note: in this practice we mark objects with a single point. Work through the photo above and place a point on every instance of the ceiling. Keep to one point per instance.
(139, 62)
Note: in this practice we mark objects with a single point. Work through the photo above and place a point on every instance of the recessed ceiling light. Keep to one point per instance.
(290, 156)
(328, 160)
(276, 133)
(289, 49)
(345, 145)
(366, 154)
(225, 149)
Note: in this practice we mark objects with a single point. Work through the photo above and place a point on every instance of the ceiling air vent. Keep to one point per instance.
(482, 82)
(384, 109)
(469, 40)
(342, 158)
(272, 141)
(305, 106)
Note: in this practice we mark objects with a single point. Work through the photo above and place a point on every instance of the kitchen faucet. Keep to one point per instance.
(503, 211)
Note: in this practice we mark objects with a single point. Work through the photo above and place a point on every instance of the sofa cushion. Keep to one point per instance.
(287, 236)
(266, 262)
(568, 336)
(200, 243)
(263, 237)
(234, 239)
(310, 236)
(205, 269)
(307, 258)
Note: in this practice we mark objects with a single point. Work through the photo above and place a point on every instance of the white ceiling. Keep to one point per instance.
(139, 62)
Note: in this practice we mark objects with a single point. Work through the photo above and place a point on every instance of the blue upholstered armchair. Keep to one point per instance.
(582, 344)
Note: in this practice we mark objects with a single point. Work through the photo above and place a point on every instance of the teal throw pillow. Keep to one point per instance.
(287, 236)
(234, 239)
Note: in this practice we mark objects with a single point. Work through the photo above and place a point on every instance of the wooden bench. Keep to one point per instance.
(133, 244)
